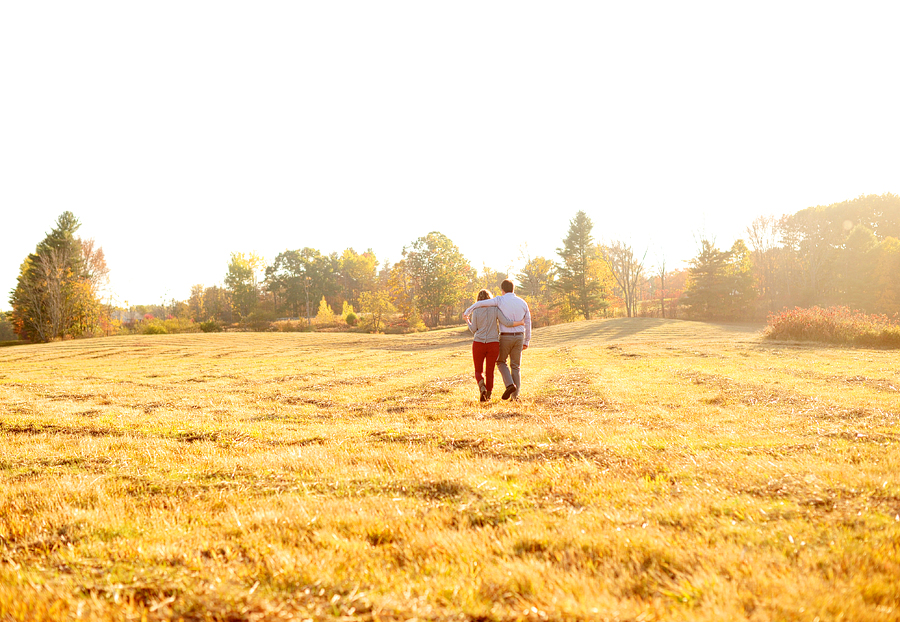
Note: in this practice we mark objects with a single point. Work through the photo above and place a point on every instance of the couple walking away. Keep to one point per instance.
(502, 328)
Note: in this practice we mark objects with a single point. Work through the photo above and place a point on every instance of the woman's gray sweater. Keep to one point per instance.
(484, 323)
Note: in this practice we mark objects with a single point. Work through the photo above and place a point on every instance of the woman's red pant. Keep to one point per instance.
(485, 353)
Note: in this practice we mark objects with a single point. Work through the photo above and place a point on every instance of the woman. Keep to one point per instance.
(484, 322)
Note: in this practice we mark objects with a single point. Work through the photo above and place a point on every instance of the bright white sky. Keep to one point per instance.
(178, 132)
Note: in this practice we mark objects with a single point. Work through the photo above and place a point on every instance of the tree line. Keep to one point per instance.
(429, 286)
(846, 253)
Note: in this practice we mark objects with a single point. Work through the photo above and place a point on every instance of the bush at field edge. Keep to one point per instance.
(837, 325)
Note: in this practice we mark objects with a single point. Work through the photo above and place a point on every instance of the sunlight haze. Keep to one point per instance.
(181, 132)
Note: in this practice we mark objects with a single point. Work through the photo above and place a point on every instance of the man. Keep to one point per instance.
(513, 339)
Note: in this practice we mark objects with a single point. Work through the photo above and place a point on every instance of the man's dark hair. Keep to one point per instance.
(506, 286)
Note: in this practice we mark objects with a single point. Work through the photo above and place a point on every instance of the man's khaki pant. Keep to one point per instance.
(511, 347)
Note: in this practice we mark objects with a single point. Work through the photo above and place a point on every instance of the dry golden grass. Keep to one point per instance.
(654, 469)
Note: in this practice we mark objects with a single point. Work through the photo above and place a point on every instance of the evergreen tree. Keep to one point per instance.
(720, 285)
(56, 293)
(707, 289)
(579, 278)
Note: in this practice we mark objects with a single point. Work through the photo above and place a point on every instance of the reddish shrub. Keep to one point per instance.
(835, 325)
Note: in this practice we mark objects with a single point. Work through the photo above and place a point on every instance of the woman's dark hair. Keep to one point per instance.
(484, 295)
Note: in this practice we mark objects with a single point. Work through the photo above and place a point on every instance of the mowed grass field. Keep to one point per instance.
(653, 470)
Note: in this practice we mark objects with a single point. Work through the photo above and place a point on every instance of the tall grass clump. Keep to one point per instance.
(838, 325)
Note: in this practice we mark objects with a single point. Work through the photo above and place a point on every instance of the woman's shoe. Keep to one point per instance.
(483, 390)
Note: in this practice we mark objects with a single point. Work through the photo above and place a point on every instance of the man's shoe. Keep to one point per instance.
(483, 390)
(487, 397)
(509, 391)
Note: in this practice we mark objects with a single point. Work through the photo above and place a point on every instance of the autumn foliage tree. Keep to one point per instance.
(217, 306)
(325, 314)
(627, 270)
(536, 285)
(432, 278)
(59, 287)
(357, 274)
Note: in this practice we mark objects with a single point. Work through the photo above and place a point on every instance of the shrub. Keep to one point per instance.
(155, 328)
(414, 323)
(259, 321)
(837, 325)
(182, 325)
(210, 326)
(351, 319)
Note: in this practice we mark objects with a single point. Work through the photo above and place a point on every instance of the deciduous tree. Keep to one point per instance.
(217, 304)
(886, 277)
(627, 270)
(855, 269)
(375, 305)
(242, 279)
(763, 234)
(536, 286)
(357, 274)
(486, 278)
(195, 304)
(661, 286)
(286, 279)
(742, 292)
(434, 274)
